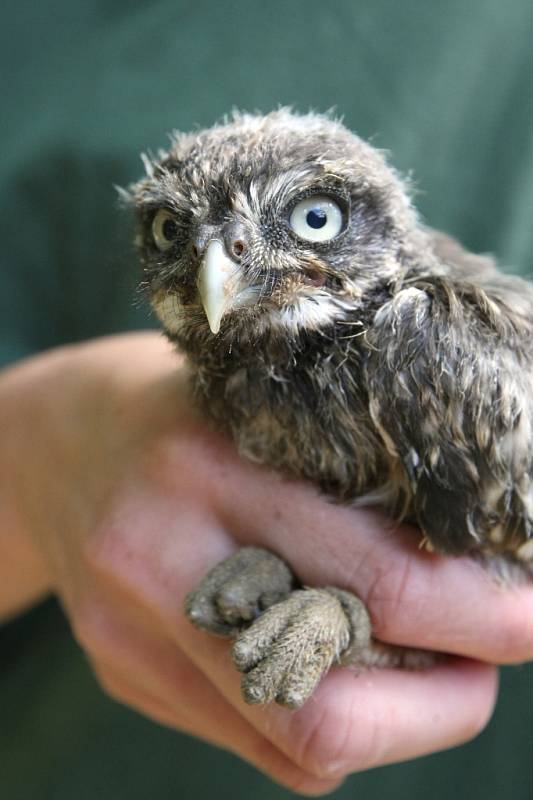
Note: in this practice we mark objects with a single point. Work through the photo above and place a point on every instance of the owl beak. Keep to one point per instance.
(218, 281)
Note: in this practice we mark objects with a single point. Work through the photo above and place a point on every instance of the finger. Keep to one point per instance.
(414, 598)
(354, 722)
(358, 722)
(159, 681)
(246, 743)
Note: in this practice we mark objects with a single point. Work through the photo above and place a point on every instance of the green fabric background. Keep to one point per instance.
(85, 86)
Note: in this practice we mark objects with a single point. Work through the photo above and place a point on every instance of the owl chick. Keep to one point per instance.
(338, 339)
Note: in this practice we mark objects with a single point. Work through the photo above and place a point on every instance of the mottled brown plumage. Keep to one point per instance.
(336, 338)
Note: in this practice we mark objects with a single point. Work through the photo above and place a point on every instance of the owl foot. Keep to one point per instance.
(287, 638)
(285, 652)
(238, 590)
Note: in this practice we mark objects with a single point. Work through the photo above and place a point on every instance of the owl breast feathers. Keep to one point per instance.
(337, 338)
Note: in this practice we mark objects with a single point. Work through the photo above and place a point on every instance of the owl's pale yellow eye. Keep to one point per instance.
(164, 229)
(317, 218)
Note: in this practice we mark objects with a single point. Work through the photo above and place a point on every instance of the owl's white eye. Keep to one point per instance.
(317, 218)
(164, 229)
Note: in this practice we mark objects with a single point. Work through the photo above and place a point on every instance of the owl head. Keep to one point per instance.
(274, 225)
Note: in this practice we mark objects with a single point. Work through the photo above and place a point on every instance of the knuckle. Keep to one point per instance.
(389, 596)
(116, 556)
(136, 565)
(334, 742)
(318, 750)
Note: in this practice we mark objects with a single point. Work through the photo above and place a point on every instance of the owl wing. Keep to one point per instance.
(450, 381)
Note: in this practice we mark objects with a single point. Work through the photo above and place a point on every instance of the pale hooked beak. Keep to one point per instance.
(218, 283)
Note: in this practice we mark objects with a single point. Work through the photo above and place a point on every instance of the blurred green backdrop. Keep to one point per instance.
(85, 86)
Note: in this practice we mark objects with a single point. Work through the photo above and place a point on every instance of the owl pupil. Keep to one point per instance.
(169, 229)
(316, 218)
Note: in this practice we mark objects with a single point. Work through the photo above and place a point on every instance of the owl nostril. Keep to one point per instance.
(236, 239)
(238, 247)
(195, 251)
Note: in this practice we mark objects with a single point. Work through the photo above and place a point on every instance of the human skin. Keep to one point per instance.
(118, 497)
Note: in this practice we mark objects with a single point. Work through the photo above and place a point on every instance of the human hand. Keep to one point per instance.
(125, 498)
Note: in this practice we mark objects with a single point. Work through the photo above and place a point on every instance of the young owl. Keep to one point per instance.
(338, 339)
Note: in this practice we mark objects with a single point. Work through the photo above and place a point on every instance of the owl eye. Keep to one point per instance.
(164, 229)
(317, 218)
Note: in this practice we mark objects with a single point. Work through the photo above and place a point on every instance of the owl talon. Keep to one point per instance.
(237, 590)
